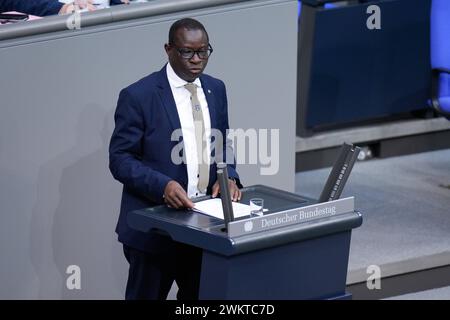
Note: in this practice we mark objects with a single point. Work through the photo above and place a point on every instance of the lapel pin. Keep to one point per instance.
(209, 91)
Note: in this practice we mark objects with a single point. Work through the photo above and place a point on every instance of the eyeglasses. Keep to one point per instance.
(187, 53)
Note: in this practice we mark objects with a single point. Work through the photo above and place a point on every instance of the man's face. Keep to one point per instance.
(185, 40)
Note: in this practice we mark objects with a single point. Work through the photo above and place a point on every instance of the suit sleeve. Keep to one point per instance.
(35, 7)
(125, 151)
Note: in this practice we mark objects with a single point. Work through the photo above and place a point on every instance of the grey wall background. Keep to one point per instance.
(58, 201)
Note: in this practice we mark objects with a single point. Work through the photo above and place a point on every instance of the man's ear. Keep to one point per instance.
(167, 47)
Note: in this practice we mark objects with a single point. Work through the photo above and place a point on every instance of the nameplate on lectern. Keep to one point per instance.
(291, 217)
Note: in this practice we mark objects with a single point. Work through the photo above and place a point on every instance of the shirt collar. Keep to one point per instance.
(176, 81)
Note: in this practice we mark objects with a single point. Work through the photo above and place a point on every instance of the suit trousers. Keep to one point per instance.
(151, 275)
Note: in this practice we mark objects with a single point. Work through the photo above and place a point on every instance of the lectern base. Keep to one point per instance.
(311, 269)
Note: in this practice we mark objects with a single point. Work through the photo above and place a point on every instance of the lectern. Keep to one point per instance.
(298, 249)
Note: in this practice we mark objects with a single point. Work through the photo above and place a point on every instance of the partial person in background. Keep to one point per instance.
(49, 7)
(98, 4)
(41, 7)
(90, 4)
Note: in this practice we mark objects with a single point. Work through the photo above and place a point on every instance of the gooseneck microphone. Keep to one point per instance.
(227, 205)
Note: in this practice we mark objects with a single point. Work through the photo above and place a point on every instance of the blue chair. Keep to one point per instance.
(326, 6)
(440, 56)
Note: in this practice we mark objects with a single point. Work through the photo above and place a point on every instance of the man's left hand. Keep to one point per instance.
(235, 193)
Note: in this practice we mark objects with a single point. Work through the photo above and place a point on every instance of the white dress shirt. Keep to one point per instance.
(184, 107)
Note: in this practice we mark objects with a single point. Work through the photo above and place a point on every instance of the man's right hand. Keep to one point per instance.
(176, 197)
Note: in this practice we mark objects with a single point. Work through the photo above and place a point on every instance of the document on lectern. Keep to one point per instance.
(213, 207)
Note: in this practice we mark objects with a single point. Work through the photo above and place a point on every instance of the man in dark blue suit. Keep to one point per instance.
(42, 7)
(143, 158)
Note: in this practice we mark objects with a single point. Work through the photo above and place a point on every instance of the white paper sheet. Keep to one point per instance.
(213, 207)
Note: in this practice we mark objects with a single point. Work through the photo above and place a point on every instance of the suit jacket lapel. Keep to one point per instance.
(210, 99)
(166, 96)
(165, 93)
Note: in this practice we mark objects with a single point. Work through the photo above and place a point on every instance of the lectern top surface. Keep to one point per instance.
(274, 201)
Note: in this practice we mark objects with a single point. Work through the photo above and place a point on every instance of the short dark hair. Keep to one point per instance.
(186, 23)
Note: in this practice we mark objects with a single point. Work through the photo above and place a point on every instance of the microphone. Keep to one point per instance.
(227, 205)
(340, 173)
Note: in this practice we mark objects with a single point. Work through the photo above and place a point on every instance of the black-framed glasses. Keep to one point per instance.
(187, 53)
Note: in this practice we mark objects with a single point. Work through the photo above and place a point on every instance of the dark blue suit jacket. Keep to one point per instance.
(36, 7)
(140, 148)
